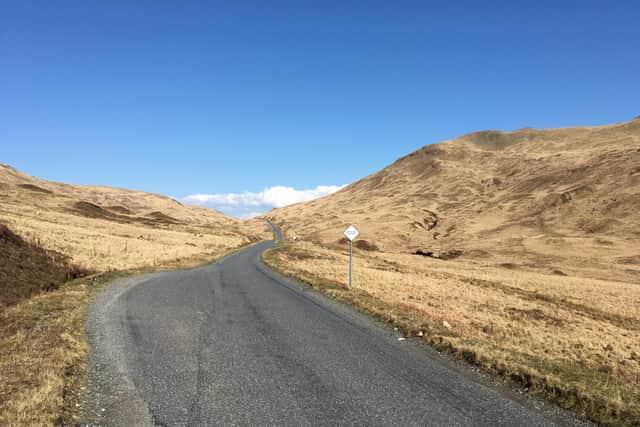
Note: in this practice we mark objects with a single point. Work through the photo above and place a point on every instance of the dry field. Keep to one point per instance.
(575, 339)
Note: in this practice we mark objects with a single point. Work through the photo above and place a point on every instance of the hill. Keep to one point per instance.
(102, 228)
(555, 200)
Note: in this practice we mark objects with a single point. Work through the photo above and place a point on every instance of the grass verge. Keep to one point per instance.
(587, 390)
(44, 350)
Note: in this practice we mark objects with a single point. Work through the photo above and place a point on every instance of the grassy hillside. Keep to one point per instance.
(562, 200)
(102, 228)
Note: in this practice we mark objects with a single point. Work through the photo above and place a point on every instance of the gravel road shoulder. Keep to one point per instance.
(112, 397)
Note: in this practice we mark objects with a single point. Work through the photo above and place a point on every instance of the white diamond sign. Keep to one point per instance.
(351, 232)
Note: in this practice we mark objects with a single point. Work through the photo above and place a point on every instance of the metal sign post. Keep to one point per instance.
(351, 233)
(350, 263)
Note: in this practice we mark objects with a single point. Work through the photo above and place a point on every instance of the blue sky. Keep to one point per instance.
(257, 104)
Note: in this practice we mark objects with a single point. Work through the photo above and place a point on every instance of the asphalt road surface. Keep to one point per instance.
(233, 343)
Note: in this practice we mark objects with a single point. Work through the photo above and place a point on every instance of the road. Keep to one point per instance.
(233, 343)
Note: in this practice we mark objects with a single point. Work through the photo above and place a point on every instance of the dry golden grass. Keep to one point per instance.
(103, 229)
(573, 337)
(563, 200)
(42, 344)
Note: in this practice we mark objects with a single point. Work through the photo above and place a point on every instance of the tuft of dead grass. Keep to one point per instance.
(570, 339)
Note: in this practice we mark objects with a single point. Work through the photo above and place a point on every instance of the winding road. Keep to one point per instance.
(233, 343)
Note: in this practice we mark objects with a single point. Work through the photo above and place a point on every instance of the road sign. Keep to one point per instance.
(351, 232)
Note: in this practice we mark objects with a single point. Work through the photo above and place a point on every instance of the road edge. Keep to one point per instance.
(507, 387)
(80, 405)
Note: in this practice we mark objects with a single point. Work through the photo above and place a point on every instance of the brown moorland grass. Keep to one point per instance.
(563, 200)
(103, 228)
(42, 349)
(571, 339)
(27, 269)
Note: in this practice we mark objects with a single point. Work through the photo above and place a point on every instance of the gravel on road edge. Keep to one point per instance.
(111, 395)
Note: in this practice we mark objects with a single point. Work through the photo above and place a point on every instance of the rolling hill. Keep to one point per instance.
(102, 228)
(564, 201)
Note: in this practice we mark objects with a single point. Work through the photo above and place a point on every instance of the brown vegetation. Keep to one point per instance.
(541, 200)
(102, 228)
(42, 350)
(26, 269)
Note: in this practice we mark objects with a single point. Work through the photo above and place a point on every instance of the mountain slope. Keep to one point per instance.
(103, 228)
(560, 200)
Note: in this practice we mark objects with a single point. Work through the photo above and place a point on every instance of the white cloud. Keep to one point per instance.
(250, 204)
(251, 214)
